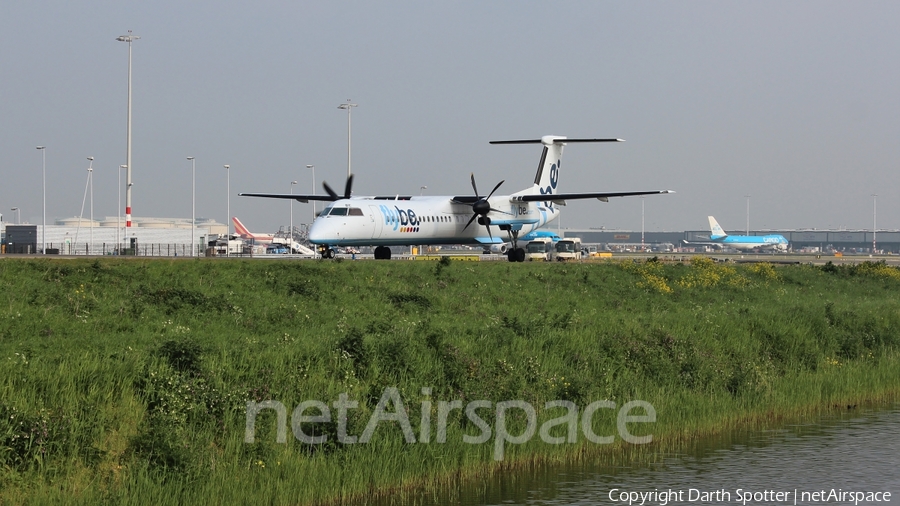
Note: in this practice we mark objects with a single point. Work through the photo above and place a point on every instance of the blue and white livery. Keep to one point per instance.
(384, 221)
(718, 238)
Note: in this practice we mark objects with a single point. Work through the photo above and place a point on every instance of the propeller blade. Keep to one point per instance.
(495, 189)
(470, 221)
(331, 193)
(348, 186)
(473, 183)
(499, 211)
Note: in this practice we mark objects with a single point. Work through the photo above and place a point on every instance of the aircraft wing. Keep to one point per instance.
(320, 198)
(295, 196)
(561, 198)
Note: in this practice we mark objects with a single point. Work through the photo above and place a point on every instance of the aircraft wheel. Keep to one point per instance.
(520, 255)
(382, 253)
(511, 255)
(329, 253)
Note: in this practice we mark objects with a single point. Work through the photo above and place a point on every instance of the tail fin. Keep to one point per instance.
(547, 177)
(715, 231)
(240, 228)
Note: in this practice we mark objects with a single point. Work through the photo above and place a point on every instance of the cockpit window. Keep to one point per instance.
(338, 211)
(325, 211)
(355, 211)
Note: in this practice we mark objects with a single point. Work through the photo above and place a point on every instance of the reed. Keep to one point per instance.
(127, 380)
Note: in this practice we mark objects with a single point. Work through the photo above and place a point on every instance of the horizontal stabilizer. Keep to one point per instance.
(555, 140)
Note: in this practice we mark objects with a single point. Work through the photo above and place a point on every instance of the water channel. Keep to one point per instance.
(854, 451)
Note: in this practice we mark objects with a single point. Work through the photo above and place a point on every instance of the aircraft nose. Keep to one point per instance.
(318, 232)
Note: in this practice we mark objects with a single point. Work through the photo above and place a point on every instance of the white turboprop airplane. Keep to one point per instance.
(400, 220)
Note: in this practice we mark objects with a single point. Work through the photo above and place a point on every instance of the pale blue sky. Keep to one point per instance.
(794, 103)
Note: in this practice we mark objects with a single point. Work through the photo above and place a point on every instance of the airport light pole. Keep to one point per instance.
(44, 191)
(193, 207)
(874, 214)
(227, 208)
(348, 106)
(129, 39)
(748, 214)
(119, 208)
(313, 168)
(91, 182)
(642, 223)
(18, 216)
(291, 231)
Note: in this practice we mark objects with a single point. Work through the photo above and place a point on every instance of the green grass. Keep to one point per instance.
(126, 380)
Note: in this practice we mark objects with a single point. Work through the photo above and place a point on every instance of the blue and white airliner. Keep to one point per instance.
(718, 238)
(399, 220)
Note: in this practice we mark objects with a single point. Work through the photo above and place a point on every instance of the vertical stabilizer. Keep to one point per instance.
(240, 228)
(715, 231)
(547, 177)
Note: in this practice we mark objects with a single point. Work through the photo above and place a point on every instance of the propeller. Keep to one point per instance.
(482, 207)
(333, 194)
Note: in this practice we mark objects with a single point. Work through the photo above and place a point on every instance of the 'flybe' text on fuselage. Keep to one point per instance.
(403, 221)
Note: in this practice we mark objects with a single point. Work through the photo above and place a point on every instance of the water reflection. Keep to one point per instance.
(857, 450)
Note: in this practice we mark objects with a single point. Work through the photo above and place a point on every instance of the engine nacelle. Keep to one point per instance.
(499, 249)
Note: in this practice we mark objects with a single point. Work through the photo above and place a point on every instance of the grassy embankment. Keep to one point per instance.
(126, 380)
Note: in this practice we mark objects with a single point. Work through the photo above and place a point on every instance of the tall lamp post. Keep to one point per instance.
(193, 193)
(119, 208)
(291, 231)
(227, 208)
(642, 223)
(748, 214)
(18, 216)
(874, 213)
(313, 168)
(44, 191)
(129, 39)
(349, 107)
(91, 183)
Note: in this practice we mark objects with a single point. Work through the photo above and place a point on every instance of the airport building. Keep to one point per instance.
(149, 236)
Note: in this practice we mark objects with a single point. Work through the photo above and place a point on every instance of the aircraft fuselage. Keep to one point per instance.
(362, 221)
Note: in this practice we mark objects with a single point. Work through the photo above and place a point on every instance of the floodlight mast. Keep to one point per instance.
(129, 39)
(348, 106)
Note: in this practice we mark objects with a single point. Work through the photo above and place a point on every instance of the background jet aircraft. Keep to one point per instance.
(242, 231)
(719, 239)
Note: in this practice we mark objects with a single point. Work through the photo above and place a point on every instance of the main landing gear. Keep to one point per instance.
(328, 253)
(382, 253)
(515, 254)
